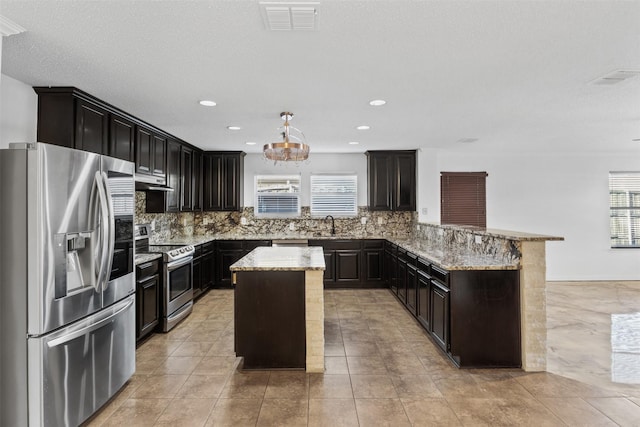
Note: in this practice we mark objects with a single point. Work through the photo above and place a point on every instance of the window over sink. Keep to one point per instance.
(334, 194)
(277, 196)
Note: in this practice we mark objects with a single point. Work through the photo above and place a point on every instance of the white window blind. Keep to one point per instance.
(334, 194)
(277, 195)
(624, 199)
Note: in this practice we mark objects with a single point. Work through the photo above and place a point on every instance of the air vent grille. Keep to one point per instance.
(290, 16)
(616, 77)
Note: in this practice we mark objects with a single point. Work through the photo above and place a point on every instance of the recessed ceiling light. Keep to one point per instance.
(353, 143)
(363, 127)
(467, 140)
(234, 127)
(250, 143)
(207, 103)
(377, 102)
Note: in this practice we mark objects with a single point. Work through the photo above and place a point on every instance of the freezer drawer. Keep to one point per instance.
(74, 371)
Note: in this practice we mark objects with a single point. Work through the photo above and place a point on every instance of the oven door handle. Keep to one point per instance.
(174, 265)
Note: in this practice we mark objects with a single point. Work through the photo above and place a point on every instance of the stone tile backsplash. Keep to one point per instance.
(176, 225)
(376, 224)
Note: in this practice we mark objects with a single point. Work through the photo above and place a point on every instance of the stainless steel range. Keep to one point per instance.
(177, 283)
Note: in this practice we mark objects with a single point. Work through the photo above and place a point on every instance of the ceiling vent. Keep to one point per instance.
(616, 77)
(290, 16)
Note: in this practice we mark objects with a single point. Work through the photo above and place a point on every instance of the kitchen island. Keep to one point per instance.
(279, 308)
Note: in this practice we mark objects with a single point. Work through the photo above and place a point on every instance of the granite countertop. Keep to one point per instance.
(455, 260)
(447, 259)
(281, 259)
(142, 258)
(199, 240)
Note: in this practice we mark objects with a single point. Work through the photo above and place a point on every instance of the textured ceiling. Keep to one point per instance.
(514, 74)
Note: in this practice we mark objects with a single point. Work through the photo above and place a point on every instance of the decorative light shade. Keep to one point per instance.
(292, 148)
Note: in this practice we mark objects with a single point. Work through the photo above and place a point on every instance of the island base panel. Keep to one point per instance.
(270, 319)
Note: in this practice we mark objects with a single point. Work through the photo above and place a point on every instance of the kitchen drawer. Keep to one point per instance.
(412, 259)
(225, 245)
(208, 247)
(373, 244)
(339, 245)
(440, 275)
(424, 265)
(198, 251)
(146, 270)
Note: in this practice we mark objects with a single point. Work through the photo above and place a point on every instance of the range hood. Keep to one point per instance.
(151, 183)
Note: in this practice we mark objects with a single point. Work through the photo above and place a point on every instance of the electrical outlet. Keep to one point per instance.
(363, 220)
(380, 220)
(292, 226)
(424, 211)
(243, 220)
(478, 240)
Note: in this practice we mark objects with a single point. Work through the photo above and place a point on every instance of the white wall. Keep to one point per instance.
(560, 194)
(254, 164)
(18, 111)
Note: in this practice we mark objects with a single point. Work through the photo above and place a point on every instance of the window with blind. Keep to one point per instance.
(463, 198)
(334, 194)
(277, 196)
(624, 202)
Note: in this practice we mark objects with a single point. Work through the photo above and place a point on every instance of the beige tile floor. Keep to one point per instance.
(381, 369)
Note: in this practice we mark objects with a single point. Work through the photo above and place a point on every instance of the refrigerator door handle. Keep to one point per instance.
(111, 243)
(66, 338)
(103, 274)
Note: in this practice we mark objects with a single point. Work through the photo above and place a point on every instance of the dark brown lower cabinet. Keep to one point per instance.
(485, 318)
(401, 275)
(473, 315)
(227, 253)
(424, 298)
(269, 321)
(412, 283)
(353, 263)
(148, 290)
(439, 322)
(348, 265)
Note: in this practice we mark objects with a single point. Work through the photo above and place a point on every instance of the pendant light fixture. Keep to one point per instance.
(292, 148)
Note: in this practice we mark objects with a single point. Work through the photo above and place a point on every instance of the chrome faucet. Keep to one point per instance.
(333, 224)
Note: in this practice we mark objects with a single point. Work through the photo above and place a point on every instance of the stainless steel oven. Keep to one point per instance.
(177, 276)
(178, 296)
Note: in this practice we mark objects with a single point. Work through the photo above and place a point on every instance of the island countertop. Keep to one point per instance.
(268, 258)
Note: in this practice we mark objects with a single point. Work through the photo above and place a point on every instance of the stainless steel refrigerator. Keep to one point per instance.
(67, 311)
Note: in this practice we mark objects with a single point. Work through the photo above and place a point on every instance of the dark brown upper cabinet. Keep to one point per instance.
(173, 176)
(151, 152)
(223, 180)
(121, 138)
(71, 118)
(391, 180)
(92, 127)
(197, 180)
(186, 179)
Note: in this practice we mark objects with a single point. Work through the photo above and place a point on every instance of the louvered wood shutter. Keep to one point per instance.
(463, 198)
